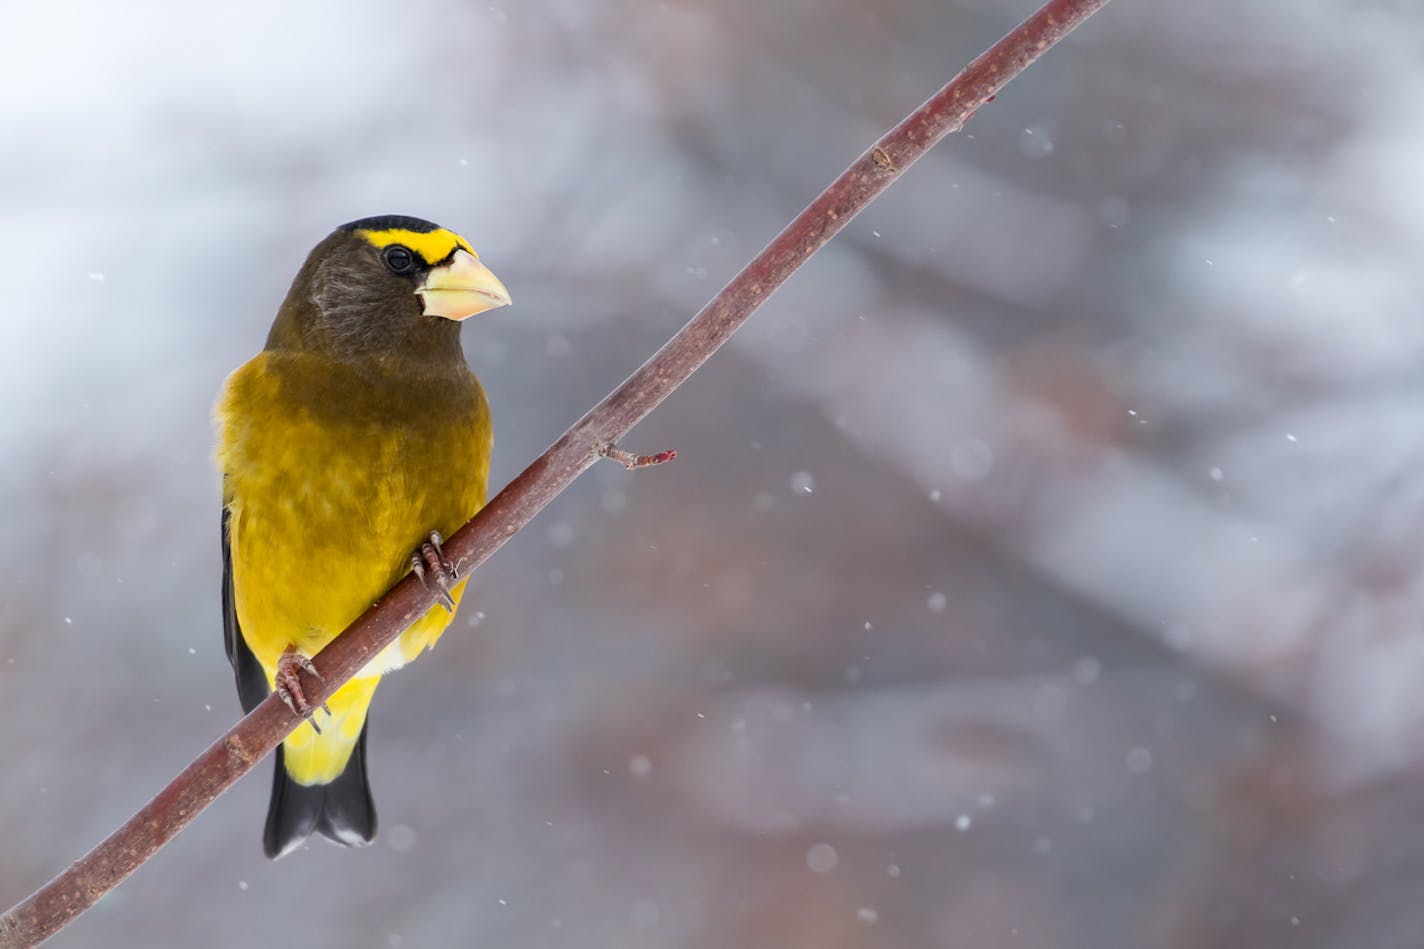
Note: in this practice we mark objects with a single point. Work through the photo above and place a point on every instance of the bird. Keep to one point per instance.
(354, 442)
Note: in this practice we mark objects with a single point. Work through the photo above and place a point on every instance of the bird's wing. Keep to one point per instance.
(251, 680)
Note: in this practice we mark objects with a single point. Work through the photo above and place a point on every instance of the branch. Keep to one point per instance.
(594, 436)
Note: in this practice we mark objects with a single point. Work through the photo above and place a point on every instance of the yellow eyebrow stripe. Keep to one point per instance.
(434, 246)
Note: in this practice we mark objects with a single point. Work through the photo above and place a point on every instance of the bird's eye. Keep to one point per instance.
(398, 259)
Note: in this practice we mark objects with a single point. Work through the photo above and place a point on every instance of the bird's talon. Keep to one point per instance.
(291, 696)
(287, 682)
(430, 560)
(307, 665)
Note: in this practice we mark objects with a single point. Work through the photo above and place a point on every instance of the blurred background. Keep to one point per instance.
(1039, 568)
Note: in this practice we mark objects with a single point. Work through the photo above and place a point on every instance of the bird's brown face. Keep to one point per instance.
(444, 270)
(387, 286)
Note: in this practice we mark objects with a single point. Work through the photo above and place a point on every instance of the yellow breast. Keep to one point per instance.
(334, 478)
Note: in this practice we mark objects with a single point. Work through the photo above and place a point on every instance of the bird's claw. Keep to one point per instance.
(430, 560)
(288, 683)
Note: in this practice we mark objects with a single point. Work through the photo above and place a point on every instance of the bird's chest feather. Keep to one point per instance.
(330, 498)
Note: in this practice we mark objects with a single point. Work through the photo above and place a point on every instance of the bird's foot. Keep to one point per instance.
(288, 682)
(430, 565)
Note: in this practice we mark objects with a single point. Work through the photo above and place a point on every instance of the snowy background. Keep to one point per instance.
(1040, 567)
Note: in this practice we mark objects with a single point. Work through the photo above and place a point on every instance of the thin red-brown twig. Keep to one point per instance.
(592, 437)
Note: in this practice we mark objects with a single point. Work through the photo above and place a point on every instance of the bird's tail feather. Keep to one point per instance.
(341, 810)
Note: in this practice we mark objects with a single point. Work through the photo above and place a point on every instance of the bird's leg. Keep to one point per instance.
(430, 559)
(288, 681)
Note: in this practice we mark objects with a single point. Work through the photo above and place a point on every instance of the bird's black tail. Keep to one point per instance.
(341, 811)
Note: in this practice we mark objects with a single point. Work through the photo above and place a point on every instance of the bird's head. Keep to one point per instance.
(386, 286)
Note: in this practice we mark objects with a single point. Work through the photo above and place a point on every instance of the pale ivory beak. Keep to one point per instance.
(461, 288)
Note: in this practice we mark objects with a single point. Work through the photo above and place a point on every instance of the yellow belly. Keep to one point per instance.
(333, 480)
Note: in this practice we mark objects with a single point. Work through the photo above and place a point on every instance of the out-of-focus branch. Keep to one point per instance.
(592, 437)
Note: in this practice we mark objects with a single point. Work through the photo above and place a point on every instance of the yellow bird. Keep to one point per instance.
(347, 447)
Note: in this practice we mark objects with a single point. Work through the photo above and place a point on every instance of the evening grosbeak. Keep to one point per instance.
(358, 436)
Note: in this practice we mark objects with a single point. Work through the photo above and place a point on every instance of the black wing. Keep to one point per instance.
(251, 680)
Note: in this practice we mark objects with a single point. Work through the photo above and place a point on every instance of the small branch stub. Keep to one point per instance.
(631, 461)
